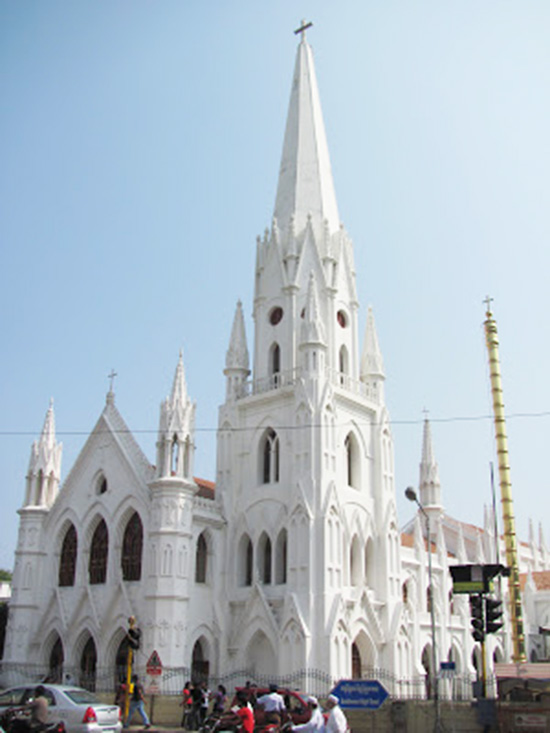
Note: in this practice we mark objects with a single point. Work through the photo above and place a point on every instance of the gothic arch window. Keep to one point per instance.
(174, 455)
(275, 363)
(99, 552)
(201, 558)
(405, 592)
(351, 455)
(264, 559)
(343, 364)
(281, 558)
(101, 485)
(245, 565)
(132, 549)
(39, 488)
(355, 562)
(67, 561)
(270, 457)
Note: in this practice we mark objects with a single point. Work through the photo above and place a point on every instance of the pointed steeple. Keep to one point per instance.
(430, 487)
(236, 359)
(372, 364)
(44, 465)
(237, 353)
(175, 444)
(305, 176)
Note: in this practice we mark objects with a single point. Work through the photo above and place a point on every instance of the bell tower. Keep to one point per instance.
(305, 453)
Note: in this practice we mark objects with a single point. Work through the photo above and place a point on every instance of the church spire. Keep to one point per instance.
(236, 359)
(44, 465)
(430, 486)
(305, 176)
(175, 444)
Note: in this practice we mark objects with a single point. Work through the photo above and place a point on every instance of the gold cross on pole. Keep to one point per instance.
(488, 300)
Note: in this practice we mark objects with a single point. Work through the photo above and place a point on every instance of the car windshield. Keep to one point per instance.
(81, 697)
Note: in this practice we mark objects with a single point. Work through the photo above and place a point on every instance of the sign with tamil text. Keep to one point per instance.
(360, 694)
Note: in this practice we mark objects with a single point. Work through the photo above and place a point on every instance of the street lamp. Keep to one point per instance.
(410, 493)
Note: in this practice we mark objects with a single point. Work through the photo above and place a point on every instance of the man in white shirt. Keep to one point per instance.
(336, 722)
(273, 704)
(316, 723)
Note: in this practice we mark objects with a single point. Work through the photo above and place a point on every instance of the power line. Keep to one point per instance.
(372, 423)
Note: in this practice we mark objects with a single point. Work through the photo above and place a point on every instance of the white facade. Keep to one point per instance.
(294, 567)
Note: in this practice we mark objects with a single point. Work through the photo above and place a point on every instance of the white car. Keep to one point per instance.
(81, 711)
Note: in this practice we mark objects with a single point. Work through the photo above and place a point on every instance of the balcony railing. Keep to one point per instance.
(281, 380)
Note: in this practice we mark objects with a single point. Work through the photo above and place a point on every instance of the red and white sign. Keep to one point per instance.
(154, 665)
(531, 721)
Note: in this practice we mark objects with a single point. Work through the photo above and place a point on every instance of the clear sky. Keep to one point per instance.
(140, 145)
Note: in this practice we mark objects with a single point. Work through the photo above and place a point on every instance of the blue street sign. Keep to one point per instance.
(365, 694)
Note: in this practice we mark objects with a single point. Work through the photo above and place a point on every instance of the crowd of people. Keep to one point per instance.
(241, 715)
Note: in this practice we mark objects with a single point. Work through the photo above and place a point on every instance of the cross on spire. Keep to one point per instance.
(111, 377)
(488, 300)
(302, 29)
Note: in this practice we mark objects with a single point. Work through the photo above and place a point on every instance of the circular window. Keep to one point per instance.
(275, 316)
(342, 319)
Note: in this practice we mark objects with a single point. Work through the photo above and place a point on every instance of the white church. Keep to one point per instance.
(292, 567)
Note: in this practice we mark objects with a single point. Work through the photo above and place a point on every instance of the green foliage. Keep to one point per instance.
(5, 574)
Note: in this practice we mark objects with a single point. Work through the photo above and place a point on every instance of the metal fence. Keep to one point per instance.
(173, 679)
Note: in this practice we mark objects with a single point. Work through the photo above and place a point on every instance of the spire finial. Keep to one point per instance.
(488, 300)
(302, 29)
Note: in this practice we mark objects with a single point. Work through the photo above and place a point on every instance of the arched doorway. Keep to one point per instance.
(55, 665)
(427, 664)
(200, 665)
(121, 662)
(88, 663)
(355, 662)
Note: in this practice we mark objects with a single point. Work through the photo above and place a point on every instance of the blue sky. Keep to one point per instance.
(140, 146)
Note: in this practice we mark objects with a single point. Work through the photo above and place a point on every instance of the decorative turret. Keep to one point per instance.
(372, 365)
(429, 484)
(312, 333)
(175, 444)
(236, 359)
(44, 466)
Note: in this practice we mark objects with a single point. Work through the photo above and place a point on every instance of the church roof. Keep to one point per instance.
(305, 176)
(541, 579)
(207, 489)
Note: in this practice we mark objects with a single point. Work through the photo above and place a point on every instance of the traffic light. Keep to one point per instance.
(493, 612)
(478, 623)
(134, 633)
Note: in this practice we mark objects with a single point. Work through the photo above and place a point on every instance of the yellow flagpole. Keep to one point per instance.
(508, 520)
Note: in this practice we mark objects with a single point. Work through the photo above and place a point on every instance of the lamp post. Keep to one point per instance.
(410, 493)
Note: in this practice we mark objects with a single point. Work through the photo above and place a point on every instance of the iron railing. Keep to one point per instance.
(173, 679)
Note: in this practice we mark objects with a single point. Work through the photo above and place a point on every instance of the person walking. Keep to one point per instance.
(137, 699)
(316, 722)
(336, 722)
